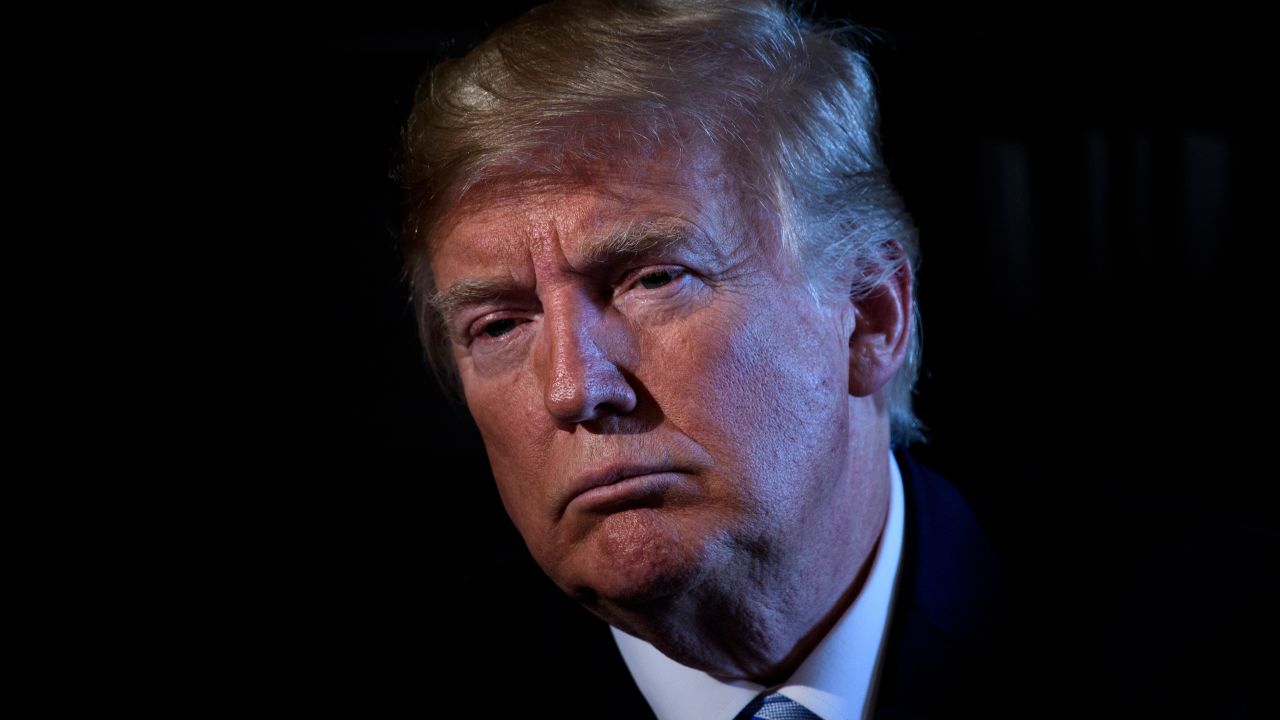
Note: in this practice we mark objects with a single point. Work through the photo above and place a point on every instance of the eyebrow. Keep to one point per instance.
(470, 292)
(636, 240)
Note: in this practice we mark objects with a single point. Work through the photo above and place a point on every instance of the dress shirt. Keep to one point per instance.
(838, 678)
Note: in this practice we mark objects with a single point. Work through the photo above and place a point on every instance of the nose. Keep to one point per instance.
(581, 378)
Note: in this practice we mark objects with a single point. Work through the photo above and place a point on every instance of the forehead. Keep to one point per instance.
(515, 215)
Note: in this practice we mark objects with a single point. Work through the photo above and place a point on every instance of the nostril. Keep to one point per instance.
(587, 389)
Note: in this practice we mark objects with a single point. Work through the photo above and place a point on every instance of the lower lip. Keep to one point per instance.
(630, 492)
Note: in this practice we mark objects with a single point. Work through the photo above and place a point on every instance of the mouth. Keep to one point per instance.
(619, 488)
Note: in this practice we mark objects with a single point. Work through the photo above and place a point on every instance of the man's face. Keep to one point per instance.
(663, 401)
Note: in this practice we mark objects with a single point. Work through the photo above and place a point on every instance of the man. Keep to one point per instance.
(656, 244)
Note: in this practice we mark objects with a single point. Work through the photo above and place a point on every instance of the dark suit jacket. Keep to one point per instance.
(945, 615)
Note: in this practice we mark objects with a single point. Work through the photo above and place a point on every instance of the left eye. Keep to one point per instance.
(657, 278)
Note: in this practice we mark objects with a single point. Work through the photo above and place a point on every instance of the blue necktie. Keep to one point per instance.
(776, 707)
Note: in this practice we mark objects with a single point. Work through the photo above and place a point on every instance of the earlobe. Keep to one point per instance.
(881, 333)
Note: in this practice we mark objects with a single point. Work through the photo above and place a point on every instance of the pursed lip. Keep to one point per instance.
(608, 475)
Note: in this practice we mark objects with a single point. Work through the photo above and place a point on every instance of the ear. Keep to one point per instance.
(882, 330)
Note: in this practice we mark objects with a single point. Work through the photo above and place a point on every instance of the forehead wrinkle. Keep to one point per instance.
(630, 235)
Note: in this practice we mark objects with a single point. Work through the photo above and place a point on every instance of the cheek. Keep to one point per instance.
(515, 443)
(764, 394)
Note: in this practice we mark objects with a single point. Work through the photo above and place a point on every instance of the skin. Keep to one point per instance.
(746, 410)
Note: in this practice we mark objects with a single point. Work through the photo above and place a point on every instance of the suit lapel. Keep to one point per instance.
(948, 603)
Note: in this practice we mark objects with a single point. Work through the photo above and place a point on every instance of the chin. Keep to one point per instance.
(635, 558)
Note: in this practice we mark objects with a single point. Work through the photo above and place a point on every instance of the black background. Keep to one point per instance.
(232, 469)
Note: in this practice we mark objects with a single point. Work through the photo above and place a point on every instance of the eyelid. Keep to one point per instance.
(630, 279)
(474, 329)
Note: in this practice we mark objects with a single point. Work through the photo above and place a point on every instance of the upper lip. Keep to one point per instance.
(608, 475)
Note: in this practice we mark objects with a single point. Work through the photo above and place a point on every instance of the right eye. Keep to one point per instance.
(494, 326)
(498, 328)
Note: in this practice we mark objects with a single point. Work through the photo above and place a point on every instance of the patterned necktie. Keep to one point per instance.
(776, 707)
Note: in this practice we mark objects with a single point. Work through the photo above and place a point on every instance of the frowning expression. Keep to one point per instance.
(662, 399)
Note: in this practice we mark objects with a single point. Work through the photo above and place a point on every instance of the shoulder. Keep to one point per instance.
(1129, 606)
(949, 603)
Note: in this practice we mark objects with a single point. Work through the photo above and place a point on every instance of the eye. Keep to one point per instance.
(657, 278)
(667, 278)
(493, 326)
(498, 328)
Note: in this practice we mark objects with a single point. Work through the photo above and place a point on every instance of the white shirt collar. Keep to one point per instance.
(838, 678)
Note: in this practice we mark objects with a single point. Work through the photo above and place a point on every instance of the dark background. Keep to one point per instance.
(234, 475)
